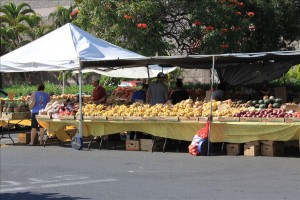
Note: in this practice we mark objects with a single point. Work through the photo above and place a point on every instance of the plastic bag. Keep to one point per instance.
(199, 142)
(203, 132)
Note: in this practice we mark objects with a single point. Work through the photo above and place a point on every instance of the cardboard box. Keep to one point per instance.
(295, 108)
(234, 149)
(146, 144)
(272, 150)
(24, 138)
(132, 145)
(251, 150)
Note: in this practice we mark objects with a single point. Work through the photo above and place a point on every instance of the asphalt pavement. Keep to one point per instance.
(60, 172)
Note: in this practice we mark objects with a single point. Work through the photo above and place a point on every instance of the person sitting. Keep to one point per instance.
(140, 95)
(179, 94)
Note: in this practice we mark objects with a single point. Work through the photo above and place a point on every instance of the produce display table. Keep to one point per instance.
(232, 132)
(8, 123)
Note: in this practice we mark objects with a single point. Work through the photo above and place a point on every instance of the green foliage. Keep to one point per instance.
(62, 15)
(193, 27)
(26, 89)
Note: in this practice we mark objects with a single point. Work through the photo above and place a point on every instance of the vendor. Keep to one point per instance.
(264, 90)
(99, 93)
(218, 94)
(158, 91)
(179, 94)
(140, 95)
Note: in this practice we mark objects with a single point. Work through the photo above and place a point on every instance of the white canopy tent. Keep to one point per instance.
(134, 72)
(63, 49)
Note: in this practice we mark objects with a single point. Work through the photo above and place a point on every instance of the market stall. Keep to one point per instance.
(232, 132)
(68, 48)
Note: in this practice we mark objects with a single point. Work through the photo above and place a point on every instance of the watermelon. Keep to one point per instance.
(267, 101)
(276, 105)
(260, 101)
(278, 100)
(262, 106)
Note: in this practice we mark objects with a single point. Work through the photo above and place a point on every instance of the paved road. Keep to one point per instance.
(60, 172)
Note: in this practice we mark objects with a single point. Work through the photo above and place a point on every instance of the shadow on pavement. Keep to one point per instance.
(36, 196)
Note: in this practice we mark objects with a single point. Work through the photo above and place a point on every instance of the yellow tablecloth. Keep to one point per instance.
(233, 132)
(25, 122)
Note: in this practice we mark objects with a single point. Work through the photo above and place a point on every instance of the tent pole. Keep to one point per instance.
(148, 74)
(80, 99)
(63, 89)
(210, 115)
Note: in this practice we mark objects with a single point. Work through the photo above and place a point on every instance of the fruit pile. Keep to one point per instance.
(121, 95)
(186, 108)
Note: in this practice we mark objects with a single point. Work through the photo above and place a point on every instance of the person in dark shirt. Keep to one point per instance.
(179, 94)
(140, 95)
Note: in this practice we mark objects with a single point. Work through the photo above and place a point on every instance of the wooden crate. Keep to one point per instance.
(250, 119)
(272, 119)
(188, 119)
(291, 119)
(251, 150)
(16, 116)
(133, 118)
(229, 119)
(66, 117)
(132, 145)
(94, 118)
(115, 118)
(234, 149)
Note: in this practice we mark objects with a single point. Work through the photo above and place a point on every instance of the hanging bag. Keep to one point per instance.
(31, 102)
(199, 143)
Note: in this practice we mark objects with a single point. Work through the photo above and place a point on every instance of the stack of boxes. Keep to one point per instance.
(144, 145)
(257, 148)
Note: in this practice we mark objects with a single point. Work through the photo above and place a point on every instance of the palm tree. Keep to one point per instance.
(62, 15)
(14, 22)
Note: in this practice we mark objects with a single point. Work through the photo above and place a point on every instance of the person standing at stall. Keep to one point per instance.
(38, 101)
(158, 91)
(179, 94)
(140, 95)
(99, 93)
